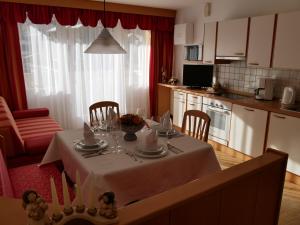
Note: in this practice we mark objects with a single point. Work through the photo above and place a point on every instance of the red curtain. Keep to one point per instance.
(12, 86)
(161, 59)
(11, 13)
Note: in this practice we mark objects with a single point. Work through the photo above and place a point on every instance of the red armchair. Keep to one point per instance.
(27, 133)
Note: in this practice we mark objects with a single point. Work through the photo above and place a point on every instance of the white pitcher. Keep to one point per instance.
(289, 95)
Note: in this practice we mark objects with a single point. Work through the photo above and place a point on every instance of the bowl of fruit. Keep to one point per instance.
(130, 124)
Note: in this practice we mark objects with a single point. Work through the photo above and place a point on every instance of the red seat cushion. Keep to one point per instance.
(37, 133)
(37, 178)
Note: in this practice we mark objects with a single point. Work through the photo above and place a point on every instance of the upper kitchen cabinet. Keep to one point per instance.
(183, 34)
(209, 42)
(232, 38)
(287, 45)
(261, 35)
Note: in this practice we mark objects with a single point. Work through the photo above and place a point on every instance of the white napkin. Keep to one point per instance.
(149, 140)
(89, 137)
(165, 120)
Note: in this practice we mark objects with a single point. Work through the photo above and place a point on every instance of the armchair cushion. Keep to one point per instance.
(37, 133)
(21, 114)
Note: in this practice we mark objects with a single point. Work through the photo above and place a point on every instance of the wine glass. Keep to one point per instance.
(141, 113)
(168, 125)
(116, 134)
(95, 126)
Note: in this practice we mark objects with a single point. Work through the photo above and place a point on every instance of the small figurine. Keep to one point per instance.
(173, 81)
(36, 208)
(107, 207)
(163, 76)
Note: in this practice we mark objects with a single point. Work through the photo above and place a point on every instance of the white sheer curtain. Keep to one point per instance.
(59, 76)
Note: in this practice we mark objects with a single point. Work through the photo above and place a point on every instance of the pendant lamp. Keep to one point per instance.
(105, 43)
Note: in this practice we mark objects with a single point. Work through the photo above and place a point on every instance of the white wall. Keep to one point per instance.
(223, 10)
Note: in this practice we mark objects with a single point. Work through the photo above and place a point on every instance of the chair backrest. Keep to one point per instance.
(246, 194)
(99, 110)
(196, 123)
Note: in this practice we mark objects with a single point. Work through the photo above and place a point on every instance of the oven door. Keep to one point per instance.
(219, 124)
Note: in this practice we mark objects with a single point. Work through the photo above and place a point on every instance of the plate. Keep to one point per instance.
(103, 144)
(163, 153)
(84, 145)
(154, 151)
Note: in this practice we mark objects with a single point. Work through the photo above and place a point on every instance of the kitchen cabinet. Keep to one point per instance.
(209, 43)
(194, 102)
(247, 130)
(284, 135)
(179, 107)
(260, 41)
(232, 38)
(183, 34)
(287, 45)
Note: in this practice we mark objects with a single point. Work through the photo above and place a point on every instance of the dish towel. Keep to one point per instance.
(88, 134)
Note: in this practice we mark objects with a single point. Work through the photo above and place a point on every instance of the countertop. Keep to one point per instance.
(248, 101)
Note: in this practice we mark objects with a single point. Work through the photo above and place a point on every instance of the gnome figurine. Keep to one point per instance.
(35, 208)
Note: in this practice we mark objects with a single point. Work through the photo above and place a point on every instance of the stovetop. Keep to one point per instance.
(233, 96)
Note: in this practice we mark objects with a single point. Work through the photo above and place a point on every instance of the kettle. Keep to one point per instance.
(289, 96)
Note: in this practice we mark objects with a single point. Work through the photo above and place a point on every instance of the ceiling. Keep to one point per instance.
(165, 4)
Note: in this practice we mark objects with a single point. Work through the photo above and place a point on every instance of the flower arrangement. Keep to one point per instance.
(131, 120)
(131, 123)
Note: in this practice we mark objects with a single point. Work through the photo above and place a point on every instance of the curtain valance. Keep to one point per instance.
(40, 14)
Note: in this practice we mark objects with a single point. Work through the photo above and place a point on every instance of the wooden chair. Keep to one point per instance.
(99, 110)
(198, 124)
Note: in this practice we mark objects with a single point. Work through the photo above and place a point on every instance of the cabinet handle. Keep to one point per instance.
(192, 104)
(208, 61)
(253, 64)
(239, 53)
(195, 97)
(279, 117)
(181, 101)
(250, 110)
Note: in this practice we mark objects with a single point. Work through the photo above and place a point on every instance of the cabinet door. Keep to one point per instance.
(247, 130)
(209, 42)
(260, 41)
(284, 136)
(287, 45)
(179, 107)
(232, 37)
(183, 34)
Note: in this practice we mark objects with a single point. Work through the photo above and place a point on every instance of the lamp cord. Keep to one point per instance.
(104, 20)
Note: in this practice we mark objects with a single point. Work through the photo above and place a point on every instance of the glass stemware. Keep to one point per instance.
(168, 125)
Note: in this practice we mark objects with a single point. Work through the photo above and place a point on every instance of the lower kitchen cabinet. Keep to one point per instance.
(179, 107)
(247, 130)
(284, 135)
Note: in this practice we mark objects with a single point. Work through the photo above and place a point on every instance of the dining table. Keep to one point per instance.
(128, 175)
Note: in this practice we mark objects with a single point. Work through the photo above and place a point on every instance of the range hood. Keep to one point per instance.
(232, 58)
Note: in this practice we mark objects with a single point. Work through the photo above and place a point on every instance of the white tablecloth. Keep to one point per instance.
(133, 180)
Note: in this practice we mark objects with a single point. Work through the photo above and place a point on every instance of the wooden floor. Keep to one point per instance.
(290, 206)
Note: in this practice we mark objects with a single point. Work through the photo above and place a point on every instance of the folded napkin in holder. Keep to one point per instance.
(89, 136)
(149, 141)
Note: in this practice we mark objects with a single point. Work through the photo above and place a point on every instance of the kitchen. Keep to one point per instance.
(254, 55)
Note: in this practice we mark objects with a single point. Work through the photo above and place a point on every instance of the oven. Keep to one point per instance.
(220, 115)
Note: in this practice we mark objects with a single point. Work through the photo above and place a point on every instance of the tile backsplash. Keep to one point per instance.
(237, 76)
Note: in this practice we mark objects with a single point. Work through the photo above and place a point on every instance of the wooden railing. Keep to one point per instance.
(249, 193)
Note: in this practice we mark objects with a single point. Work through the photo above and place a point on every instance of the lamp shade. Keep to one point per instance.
(105, 44)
